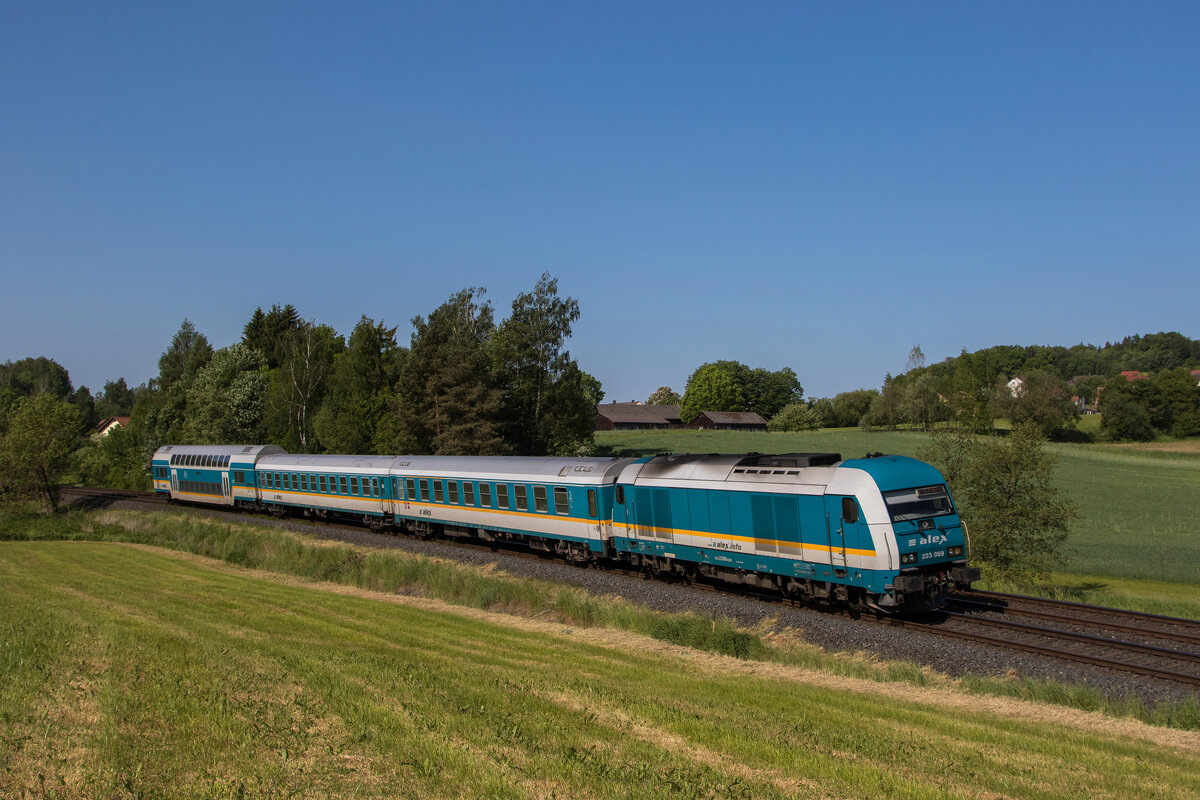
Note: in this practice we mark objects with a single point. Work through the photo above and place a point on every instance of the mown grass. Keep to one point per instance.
(1138, 506)
(391, 571)
(130, 673)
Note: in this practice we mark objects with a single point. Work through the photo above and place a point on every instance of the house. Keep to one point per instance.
(1132, 375)
(636, 417)
(106, 426)
(728, 421)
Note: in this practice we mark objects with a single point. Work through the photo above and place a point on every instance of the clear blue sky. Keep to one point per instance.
(814, 185)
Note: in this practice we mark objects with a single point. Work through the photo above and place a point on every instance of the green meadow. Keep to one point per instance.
(1139, 506)
(130, 672)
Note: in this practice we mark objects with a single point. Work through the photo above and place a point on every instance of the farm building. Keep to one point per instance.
(728, 421)
(108, 425)
(636, 417)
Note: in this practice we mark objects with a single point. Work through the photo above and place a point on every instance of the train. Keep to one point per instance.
(880, 532)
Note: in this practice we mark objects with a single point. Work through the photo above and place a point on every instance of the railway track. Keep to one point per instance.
(1166, 648)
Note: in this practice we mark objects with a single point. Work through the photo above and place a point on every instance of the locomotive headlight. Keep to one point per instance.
(955, 551)
(908, 558)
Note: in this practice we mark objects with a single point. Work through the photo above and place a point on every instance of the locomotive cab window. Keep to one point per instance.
(910, 504)
(561, 501)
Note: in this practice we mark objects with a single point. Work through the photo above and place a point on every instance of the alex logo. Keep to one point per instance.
(936, 539)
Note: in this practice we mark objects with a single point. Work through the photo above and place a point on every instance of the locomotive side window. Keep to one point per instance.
(561, 501)
(849, 510)
(485, 494)
(501, 495)
(621, 495)
(539, 499)
(468, 493)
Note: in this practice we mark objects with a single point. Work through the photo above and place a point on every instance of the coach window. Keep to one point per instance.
(592, 503)
(452, 488)
(333, 484)
(424, 489)
(437, 491)
(321, 481)
(485, 495)
(468, 493)
(354, 485)
(561, 502)
(342, 485)
(374, 487)
(410, 486)
(521, 496)
(501, 495)
(539, 499)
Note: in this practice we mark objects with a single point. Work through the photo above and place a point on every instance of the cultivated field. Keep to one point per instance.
(1138, 504)
(127, 671)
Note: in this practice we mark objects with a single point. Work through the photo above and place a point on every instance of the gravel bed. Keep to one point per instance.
(834, 632)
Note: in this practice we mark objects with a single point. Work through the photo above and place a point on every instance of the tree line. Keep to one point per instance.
(464, 383)
(1050, 390)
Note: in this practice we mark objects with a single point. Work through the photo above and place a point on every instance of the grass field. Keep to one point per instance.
(1139, 506)
(132, 672)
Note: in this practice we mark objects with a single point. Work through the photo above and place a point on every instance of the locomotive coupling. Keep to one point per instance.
(907, 584)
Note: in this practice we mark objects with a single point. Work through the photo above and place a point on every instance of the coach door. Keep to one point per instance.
(175, 481)
(225, 488)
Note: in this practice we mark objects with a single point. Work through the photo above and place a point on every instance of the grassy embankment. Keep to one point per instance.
(1135, 544)
(133, 672)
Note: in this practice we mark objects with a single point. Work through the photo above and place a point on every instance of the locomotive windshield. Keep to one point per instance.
(908, 504)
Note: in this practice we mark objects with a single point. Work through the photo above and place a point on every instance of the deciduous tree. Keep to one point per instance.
(711, 388)
(1003, 488)
(42, 434)
(664, 396)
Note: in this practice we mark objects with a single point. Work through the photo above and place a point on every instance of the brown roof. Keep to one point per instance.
(734, 417)
(636, 412)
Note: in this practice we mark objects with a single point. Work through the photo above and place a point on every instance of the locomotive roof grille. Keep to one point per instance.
(791, 460)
